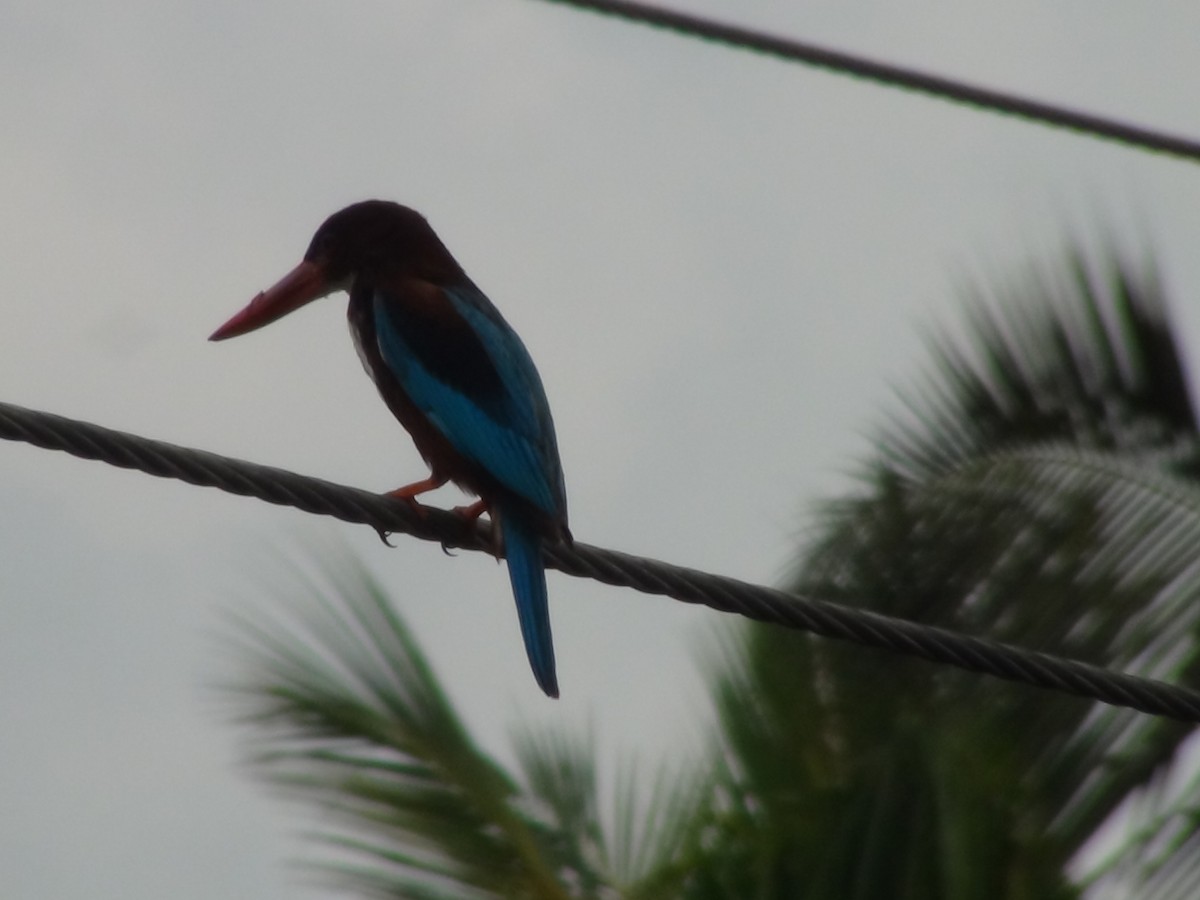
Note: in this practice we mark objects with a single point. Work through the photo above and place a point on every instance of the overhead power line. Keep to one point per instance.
(895, 76)
(386, 515)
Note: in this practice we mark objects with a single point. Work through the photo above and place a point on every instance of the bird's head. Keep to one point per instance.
(371, 240)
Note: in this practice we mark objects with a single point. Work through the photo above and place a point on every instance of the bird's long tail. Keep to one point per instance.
(523, 548)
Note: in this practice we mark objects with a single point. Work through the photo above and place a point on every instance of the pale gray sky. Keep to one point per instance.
(720, 263)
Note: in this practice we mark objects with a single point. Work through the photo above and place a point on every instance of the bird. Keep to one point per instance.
(454, 373)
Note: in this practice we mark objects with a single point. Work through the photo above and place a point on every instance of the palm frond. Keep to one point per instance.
(353, 720)
(657, 824)
(1066, 355)
(1157, 853)
(1035, 489)
(560, 773)
(643, 851)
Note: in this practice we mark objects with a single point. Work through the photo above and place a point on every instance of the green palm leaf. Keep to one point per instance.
(353, 720)
(1035, 489)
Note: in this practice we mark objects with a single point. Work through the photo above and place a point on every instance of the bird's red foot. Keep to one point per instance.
(472, 513)
(410, 492)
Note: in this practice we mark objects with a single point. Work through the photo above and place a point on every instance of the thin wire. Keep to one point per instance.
(388, 515)
(895, 76)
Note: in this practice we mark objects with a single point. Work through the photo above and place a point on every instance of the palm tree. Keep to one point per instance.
(1038, 486)
(1037, 490)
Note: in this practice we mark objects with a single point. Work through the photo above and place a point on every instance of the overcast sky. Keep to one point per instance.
(721, 263)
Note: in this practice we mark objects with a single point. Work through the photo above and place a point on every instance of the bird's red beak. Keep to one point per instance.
(305, 283)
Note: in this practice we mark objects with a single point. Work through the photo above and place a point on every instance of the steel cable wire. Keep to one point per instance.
(649, 576)
(893, 75)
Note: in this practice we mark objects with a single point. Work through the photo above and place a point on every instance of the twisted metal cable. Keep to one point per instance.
(894, 76)
(386, 515)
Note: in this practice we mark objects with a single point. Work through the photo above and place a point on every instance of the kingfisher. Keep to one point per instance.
(454, 373)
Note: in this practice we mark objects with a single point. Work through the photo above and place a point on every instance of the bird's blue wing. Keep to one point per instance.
(468, 372)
